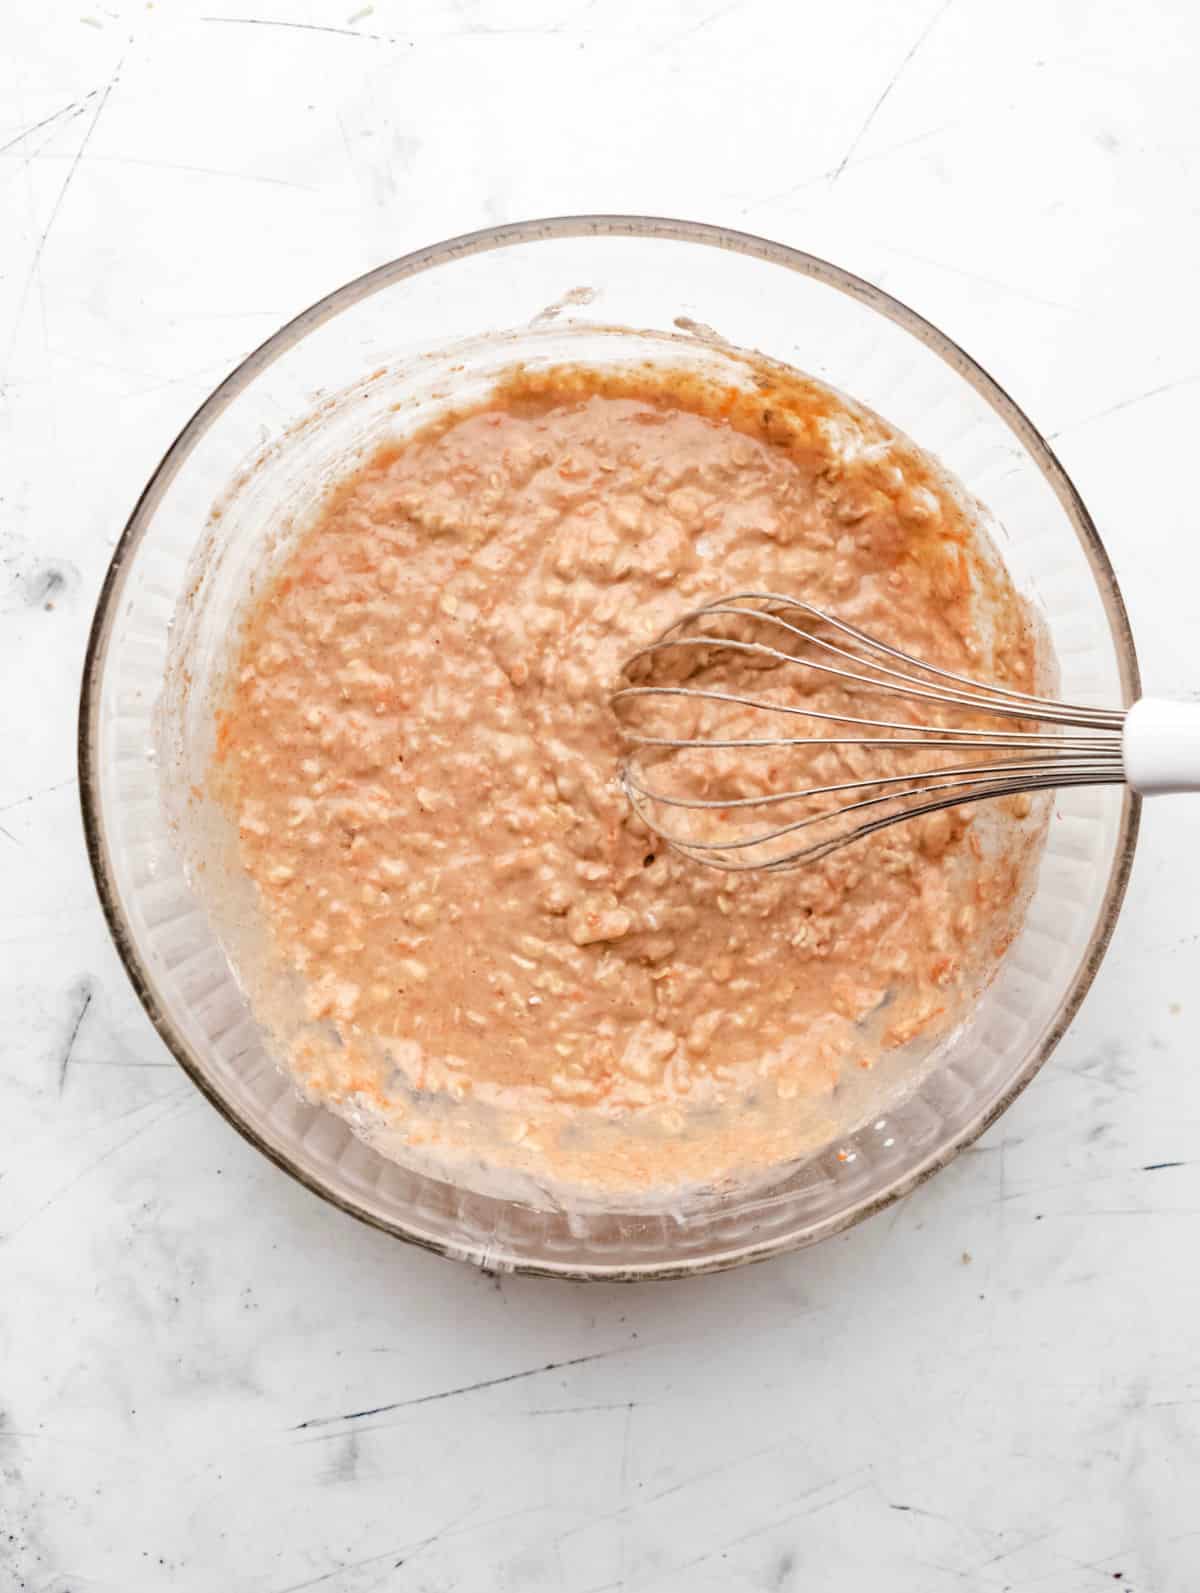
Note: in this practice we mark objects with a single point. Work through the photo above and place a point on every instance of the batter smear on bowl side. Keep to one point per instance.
(418, 748)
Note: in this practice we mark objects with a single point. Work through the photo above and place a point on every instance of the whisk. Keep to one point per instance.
(1152, 747)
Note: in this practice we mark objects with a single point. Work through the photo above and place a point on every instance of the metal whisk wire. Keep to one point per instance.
(1085, 747)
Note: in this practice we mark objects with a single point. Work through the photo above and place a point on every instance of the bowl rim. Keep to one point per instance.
(484, 241)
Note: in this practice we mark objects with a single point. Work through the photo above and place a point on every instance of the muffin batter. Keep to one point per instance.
(421, 756)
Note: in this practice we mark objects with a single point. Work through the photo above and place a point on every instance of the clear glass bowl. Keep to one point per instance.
(376, 356)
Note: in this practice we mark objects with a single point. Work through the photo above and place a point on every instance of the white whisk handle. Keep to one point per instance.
(1161, 746)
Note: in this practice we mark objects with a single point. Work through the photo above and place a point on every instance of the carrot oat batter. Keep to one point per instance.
(422, 760)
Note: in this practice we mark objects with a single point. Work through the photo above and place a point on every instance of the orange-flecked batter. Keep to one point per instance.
(422, 759)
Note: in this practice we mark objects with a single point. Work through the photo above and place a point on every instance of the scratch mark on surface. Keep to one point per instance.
(1002, 1164)
(75, 105)
(35, 265)
(863, 160)
(58, 1441)
(676, 39)
(206, 171)
(516, 30)
(338, 1570)
(1129, 1211)
(175, 381)
(198, 171)
(1157, 1167)
(228, 315)
(345, 140)
(975, 276)
(623, 1482)
(1125, 403)
(454, 1393)
(583, 1410)
(406, 1551)
(773, 1525)
(84, 991)
(1032, 1191)
(118, 1062)
(931, 1515)
(8, 835)
(301, 27)
(434, 1537)
(34, 152)
(175, 1104)
(1017, 1548)
(684, 1483)
(891, 84)
(626, 1446)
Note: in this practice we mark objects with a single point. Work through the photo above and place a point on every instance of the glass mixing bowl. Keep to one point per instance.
(374, 358)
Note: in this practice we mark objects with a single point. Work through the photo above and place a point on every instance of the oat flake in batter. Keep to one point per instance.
(420, 754)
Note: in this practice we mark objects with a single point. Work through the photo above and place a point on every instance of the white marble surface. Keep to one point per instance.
(209, 1379)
